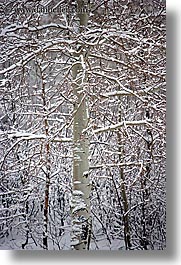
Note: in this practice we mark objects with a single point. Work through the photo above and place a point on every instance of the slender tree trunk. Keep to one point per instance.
(80, 206)
(127, 238)
(27, 225)
(47, 170)
(145, 191)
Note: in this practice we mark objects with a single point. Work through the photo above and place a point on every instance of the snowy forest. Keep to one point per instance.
(83, 124)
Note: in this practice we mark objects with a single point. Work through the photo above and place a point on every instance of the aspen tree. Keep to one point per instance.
(80, 207)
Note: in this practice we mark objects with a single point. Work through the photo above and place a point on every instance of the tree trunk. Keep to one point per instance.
(80, 206)
(47, 169)
(127, 238)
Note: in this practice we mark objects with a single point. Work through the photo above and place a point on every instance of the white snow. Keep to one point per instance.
(77, 192)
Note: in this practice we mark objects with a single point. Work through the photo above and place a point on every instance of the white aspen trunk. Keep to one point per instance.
(80, 206)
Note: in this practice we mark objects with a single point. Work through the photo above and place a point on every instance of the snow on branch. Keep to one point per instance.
(138, 93)
(15, 27)
(120, 124)
(98, 166)
(119, 83)
(27, 58)
(31, 136)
